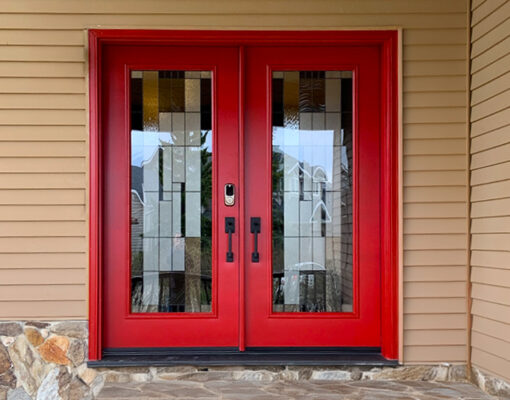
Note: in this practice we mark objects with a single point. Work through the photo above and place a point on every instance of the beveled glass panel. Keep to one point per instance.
(171, 191)
(312, 191)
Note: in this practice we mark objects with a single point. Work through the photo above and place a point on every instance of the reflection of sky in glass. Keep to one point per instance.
(145, 143)
(314, 148)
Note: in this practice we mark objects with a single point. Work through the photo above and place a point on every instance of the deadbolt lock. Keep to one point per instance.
(230, 195)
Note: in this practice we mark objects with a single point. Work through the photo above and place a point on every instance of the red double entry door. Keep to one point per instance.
(241, 196)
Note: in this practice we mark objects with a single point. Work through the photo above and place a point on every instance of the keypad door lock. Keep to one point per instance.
(230, 195)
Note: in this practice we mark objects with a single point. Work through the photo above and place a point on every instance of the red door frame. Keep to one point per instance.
(388, 42)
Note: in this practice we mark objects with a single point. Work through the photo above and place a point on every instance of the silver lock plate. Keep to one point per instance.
(229, 195)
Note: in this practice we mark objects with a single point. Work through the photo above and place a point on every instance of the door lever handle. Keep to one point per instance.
(230, 228)
(255, 229)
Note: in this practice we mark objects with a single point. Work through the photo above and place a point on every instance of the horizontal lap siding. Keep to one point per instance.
(434, 163)
(43, 117)
(490, 193)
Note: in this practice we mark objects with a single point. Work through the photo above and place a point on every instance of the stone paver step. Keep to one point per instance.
(292, 390)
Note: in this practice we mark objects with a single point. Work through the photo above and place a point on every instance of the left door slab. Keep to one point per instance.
(169, 119)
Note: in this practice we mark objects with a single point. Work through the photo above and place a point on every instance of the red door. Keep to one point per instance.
(170, 146)
(308, 273)
(312, 150)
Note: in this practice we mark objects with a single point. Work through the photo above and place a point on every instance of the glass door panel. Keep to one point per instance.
(312, 191)
(171, 191)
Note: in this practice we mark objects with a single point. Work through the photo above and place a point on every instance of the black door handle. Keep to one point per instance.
(230, 228)
(255, 229)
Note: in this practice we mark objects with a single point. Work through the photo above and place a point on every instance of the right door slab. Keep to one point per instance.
(312, 173)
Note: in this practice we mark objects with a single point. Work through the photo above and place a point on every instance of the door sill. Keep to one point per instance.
(231, 356)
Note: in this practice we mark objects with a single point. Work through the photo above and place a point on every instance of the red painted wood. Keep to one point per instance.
(196, 330)
(362, 327)
(238, 38)
(95, 267)
(243, 227)
(121, 328)
(389, 198)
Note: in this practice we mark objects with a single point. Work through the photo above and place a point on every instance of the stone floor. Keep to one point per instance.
(292, 390)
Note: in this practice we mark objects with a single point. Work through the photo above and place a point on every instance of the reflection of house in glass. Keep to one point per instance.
(312, 200)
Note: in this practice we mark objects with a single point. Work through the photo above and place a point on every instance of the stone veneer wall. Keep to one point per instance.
(47, 361)
(490, 384)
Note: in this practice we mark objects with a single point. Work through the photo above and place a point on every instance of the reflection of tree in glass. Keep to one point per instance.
(136, 281)
(206, 218)
(277, 199)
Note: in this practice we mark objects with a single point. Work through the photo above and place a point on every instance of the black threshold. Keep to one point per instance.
(231, 356)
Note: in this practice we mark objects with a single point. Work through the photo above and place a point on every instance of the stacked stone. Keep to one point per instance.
(46, 360)
(491, 384)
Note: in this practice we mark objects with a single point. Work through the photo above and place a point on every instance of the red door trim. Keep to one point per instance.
(242, 221)
(95, 229)
(390, 200)
(387, 39)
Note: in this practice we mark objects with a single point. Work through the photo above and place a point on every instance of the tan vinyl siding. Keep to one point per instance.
(490, 193)
(43, 169)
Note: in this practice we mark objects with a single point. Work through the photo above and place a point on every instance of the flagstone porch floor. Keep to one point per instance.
(292, 390)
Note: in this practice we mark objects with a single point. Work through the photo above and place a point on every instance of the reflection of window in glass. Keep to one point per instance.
(312, 191)
(171, 191)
